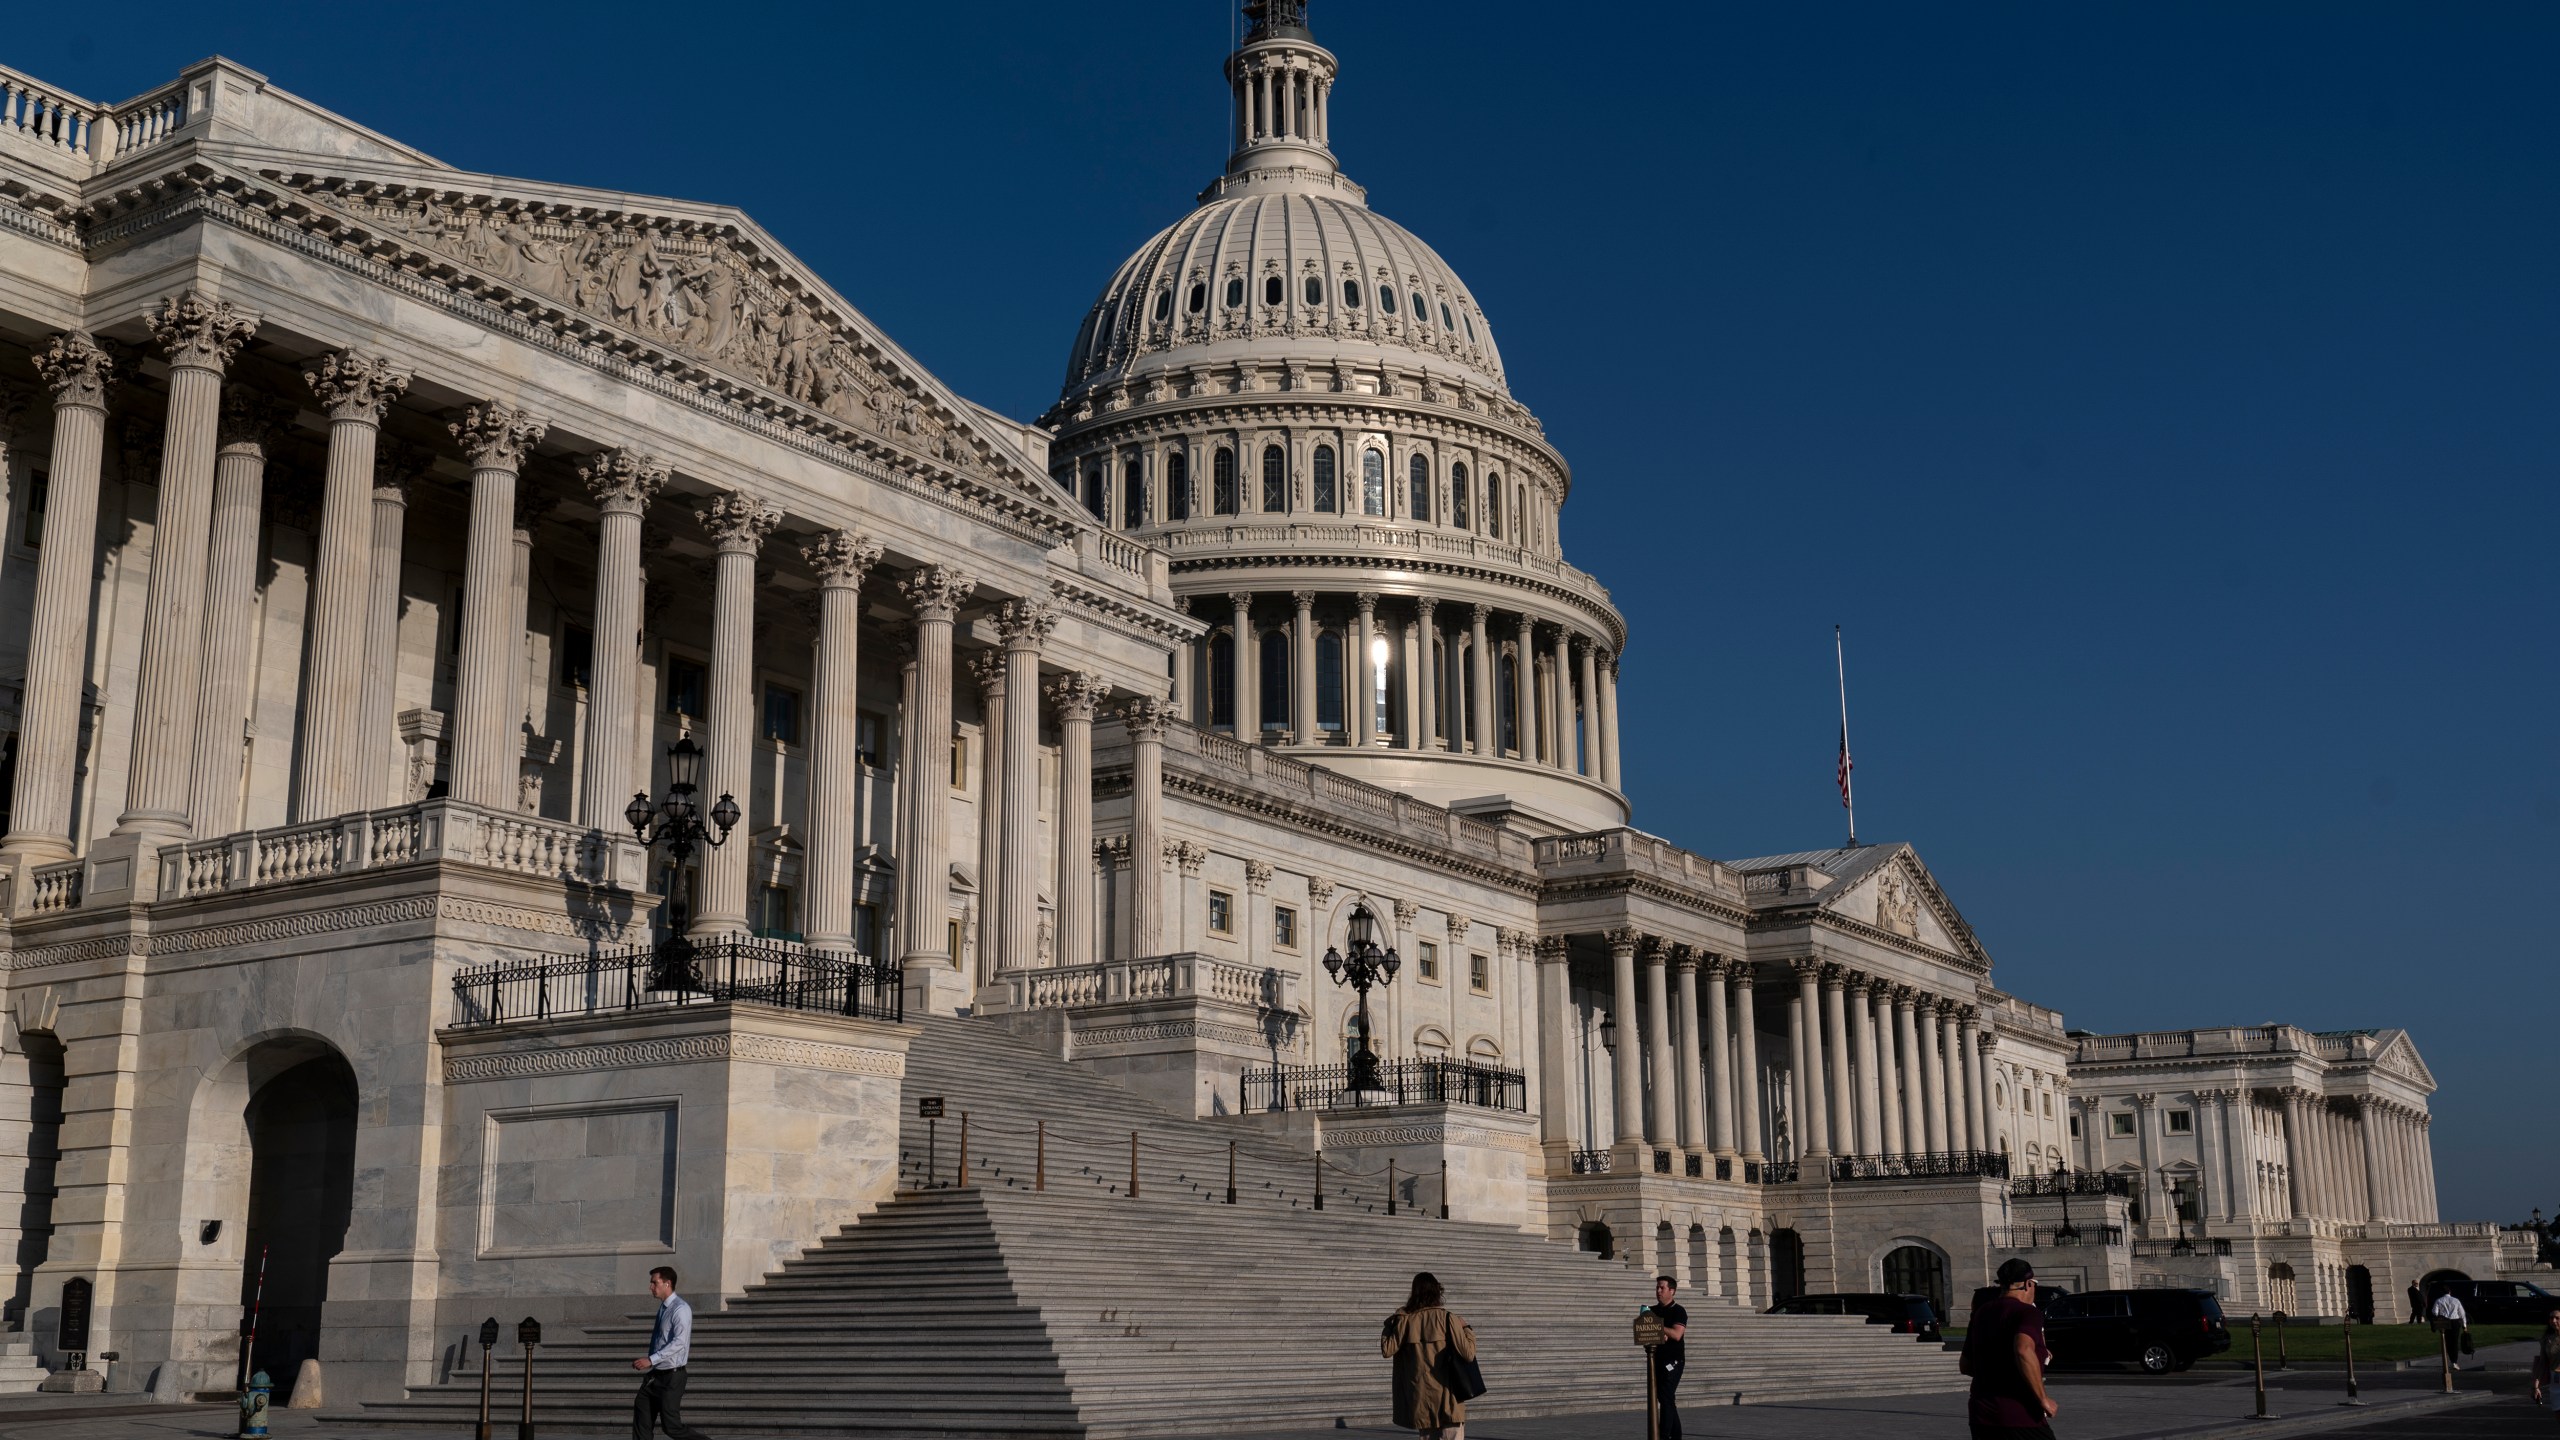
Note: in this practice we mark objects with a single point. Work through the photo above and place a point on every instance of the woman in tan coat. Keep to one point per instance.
(1415, 1338)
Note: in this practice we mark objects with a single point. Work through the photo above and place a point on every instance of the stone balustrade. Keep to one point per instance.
(1280, 777)
(51, 889)
(430, 832)
(1644, 854)
(1162, 977)
(81, 136)
(1382, 540)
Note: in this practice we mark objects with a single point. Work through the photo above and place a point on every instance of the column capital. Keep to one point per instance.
(1240, 600)
(1713, 966)
(1319, 890)
(1969, 1016)
(1835, 976)
(1858, 982)
(1257, 876)
(1305, 600)
(79, 370)
(1459, 925)
(1806, 968)
(2145, 1101)
(937, 591)
(623, 482)
(1404, 911)
(1684, 958)
(1552, 949)
(1905, 997)
(738, 521)
(1582, 647)
(1653, 950)
(987, 668)
(2295, 1095)
(1077, 694)
(201, 334)
(497, 437)
(1365, 601)
(1147, 717)
(1423, 605)
(1025, 624)
(355, 386)
(1479, 614)
(1622, 941)
(249, 422)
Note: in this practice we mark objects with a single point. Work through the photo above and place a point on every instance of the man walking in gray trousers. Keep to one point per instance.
(661, 1398)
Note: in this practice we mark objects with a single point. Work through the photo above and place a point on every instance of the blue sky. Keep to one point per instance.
(2161, 396)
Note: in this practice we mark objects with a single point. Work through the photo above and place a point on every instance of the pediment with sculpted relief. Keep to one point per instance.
(1899, 896)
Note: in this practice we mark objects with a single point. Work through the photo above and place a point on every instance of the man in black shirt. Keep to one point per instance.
(1672, 1355)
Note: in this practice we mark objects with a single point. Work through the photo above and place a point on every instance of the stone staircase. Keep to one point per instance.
(1077, 1310)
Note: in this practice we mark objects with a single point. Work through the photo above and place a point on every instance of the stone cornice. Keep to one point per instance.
(1349, 410)
(1149, 617)
(1631, 884)
(1113, 782)
(1226, 562)
(572, 1059)
(1815, 918)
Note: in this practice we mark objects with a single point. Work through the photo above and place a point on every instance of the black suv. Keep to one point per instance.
(1908, 1314)
(2500, 1302)
(2045, 1296)
(2159, 1330)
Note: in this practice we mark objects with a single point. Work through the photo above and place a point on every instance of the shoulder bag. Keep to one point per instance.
(1457, 1374)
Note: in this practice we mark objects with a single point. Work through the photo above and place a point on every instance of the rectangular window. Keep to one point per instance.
(1284, 927)
(776, 913)
(782, 714)
(2048, 1105)
(951, 939)
(1426, 960)
(959, 762)
(577, 656)
(2120, 1123)
(2075, 1127)
(1222, 912)
(2182, 1122)
(39, 489)
(870, 729)
(866, 930)
(685, 686)
(1480, 974)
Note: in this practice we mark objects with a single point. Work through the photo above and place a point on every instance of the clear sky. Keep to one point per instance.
(2161, 395)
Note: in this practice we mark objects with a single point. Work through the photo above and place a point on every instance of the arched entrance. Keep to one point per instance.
(2360, 1294)
(37, 1065)
(1911, 1269)
(2281, 1291)
(2433, 1282)
(1786, 1266)
(1595, 1237)
(302, 1141)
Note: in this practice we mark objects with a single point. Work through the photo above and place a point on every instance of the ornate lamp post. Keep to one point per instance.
(2069, 1234)
(2178, 1203)
(1365, 966)
(676, 821)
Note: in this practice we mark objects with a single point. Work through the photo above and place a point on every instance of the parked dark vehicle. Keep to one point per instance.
(1908, 1314)
(2045, 1296)
(2501, 1302)
(2159, 1330)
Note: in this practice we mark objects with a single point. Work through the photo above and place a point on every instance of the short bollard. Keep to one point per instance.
(2258, 1362)
(1444, 1189)
(2284, 1359)
(2347, 1333)
(1391, 1187)
(1319, 1179)
(1040, 1164)
(1231, 1172)
(1133, 1164)
(964, 1150)
(488, 1342)
(253, 1407)
(529, 1335)
(2445, 1339)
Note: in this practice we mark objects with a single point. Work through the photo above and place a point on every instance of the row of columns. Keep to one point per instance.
(1554, 723)
(2367, 1162)
(1278, 101)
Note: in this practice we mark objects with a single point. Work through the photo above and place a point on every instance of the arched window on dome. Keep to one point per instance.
(1329, 681)
(1222, 680)
(1223, 499)
(1097, 494)
(1387, 299)
(1235, 292)
(1350, 294)
(1177, 485)
(1419, 491)
(1328, 496)
(1471, 326)
(1315, 290)
(1133, 493)
(1164, 306)
(1274, 669)
(1275, 480)
(1458, 490)
(1421, 308)
(1272, 291)
(1199, 299)
(1493, 506)
(1458, 506)
(1373, 483)
(1445, 322)
(1519, 515)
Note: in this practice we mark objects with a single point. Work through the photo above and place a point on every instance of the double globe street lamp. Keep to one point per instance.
(1366, 965)
(676, 822)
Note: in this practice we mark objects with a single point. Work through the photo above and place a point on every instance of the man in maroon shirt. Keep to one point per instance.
(2004, 1352)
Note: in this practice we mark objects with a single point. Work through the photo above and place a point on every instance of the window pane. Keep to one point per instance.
(577, 655)
(1222, 681)
(1235, 292)
(1199, 298)
(1387, 299)
(1177, 486)
(1457, 504)
(1445, 322)
(869, 726)
(1373, 482)
(1421, 310)
(39, 487)
(1275, 480)
(684, 688)
(1421, 488)
(1351, 294)
(1315, 291)
(1271, 290)
(782, 714)
(1096, 498)
(1329, 680)
(1222, 483)
(1325, 498)
(1164, 305)
(1274, 669)
(1493, 505)
(1133, 493)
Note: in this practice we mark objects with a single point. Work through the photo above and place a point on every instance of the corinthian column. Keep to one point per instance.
(80, 372)
(248, 427)
(328, 774)
(1933, 1078)
(1662, 1127)
(1692, 1065)
(988, 669)
(1609, 722)
(1426, 727)
(1360, 712)
(1555, 1049)
(1835, 1048)
(1248, 706)
(1562, 679)
(375, 726)
(1719, 1062)
(1977, 1089)
(1075, 695)
(1146, 718)
(495, 439)
(1582, 650)
(1302, 640)
(924, 855)
(1025, 626)
(1861, 1021)
(1629, 1058)
(200, 338)
(738, 523)
(1814, 1125)
(1524, 691)
(1480, 700)
(1914, 1071)
(622, 483)
(841, 558)
(1746, 1030)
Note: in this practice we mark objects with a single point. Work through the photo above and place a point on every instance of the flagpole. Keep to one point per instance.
(1848, 784)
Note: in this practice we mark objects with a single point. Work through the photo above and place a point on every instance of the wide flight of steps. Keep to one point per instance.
(1076, 1310)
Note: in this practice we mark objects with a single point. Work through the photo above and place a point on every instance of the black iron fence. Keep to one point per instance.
(1936, 1165)
(1401, 1082)
(2035, 1237)
(2072, 1182)
(679, 972)
(1591, 1162)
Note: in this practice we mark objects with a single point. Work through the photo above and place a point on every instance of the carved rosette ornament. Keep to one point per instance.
(77, 369)
(937, 591)
(1025, 624)
(497, 437)
(1076, 694)
(1147, 718)
(623, 482)
(249, 422)
(356, 387)
(738, 522)
(201, 334)
(841, 558)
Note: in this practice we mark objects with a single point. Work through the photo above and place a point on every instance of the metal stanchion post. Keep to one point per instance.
(2347, 1332)
(1444, 1189)
(488, 1342)
(529, 1335)
(2258, 1362)
(1040, 1165)
(2446, 1337)
(1133, 1164)
(1652, 1399)
(1319, 1179)
(2284, 1357)
(963, 1181)
(1231, 1172)
(1391, 1186)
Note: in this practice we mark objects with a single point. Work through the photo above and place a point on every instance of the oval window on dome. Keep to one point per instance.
(1446, 323)
(1272, 294)
(1315, 290)
(1235, 291)
(1164, 306)
(1199, 297)
(1421, 308)
(1350, 294)
(1387, 299)
(1471, 325)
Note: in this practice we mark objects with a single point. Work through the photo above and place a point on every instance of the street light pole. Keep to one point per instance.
(2069, 1234)
(1366, 965)
(676, 822)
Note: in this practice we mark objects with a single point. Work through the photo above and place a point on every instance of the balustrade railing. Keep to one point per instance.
(2037, 1237)
(1936, 1165)
(430, 831)
(36, 112)
(2195, 1245)
(1404, 1082)
(674, 973)
(2071, 1182)
(1156, 977)
(52, 888)
(1591, 1162)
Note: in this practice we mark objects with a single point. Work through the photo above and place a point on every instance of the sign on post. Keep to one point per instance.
(929, 1108)
(1648, 1330)
(73, 1335)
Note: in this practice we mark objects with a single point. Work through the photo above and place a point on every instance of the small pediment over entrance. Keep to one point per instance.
(1873, 887)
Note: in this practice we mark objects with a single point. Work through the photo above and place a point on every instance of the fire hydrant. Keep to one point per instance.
(253, 1407)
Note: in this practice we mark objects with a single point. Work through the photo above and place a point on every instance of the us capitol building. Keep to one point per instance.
(376, 531)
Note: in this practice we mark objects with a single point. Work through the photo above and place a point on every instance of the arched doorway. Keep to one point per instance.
(2360, 1294)
(1786, 1266)
(1911, 1269)
(302, 1140)
(2433, 1282)
(1595, 1237)
(38, 1065)
(2282, 1294)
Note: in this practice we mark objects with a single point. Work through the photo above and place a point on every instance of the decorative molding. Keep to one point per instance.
(677, 1050)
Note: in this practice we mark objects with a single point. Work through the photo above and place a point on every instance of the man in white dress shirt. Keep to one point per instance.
(661, 1398)
(2451, 1320)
